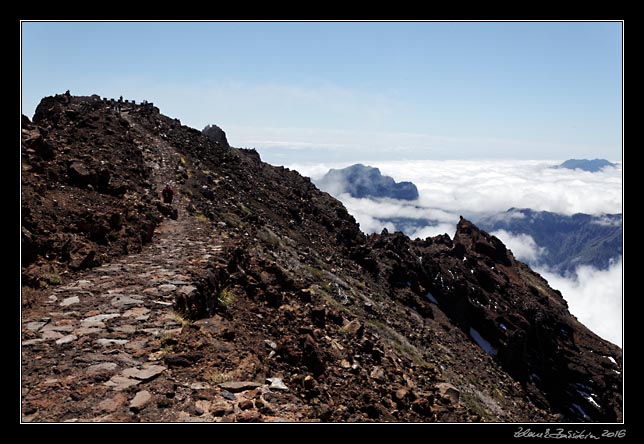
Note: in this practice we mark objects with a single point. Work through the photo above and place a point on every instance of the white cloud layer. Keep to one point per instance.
(493, 186)
(594, 297)
(522, 245)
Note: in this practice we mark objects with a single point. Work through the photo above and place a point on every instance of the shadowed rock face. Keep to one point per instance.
(263, 301)
(512, 313)
(365, 181)
(86, 190)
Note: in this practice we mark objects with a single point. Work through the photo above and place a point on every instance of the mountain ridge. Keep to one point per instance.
(264, 282)
(365, 181)
(591, 166)
(570, 241)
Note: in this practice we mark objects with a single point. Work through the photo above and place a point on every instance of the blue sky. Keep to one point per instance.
(354, 90)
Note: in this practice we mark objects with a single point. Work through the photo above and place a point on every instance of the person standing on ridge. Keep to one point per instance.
(168, 194)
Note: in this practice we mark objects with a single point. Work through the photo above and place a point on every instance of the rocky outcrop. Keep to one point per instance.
(511, 313)
(86, 193)
(217, 135)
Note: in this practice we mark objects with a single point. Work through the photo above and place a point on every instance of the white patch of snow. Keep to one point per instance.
(589, 398)
(593, 402)
(482, 342)
(611, 359)
(431, 298)
(502, 325)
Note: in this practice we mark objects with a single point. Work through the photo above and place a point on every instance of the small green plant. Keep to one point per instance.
(315, 272)
(226, 298)
(181, 318)
(167, 342)
(201, 218)
(217, 377)
(232, 220)
(270, 238)
(55, 279)
(474, 404)
(244, 209)
(328, 287)
(333, 302)
(399, 343)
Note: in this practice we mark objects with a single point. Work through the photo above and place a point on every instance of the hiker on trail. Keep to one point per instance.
(168, 194)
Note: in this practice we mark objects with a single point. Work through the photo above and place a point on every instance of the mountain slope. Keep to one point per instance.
(264, 301)
(570, 241)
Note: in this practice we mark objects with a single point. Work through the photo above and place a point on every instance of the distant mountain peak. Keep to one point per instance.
(592, 166)
(362, 181)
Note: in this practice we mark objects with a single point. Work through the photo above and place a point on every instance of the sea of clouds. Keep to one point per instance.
(451, 188)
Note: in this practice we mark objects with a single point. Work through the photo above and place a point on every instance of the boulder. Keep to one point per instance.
(217, 135)
(448, 392)
(80, 174)
(140, 400)
(168, 210)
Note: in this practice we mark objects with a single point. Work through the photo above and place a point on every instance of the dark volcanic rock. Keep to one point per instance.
(511, 313)
(74, 178)
(217, 135)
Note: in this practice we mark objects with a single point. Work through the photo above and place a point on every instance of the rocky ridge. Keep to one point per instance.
(262, 300)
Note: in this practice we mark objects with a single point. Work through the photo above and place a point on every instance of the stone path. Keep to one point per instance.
(91, 338)
(98, 327)
(100, 348)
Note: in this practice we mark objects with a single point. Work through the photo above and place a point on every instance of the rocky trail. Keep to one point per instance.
(100, 335)
(95, 349)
